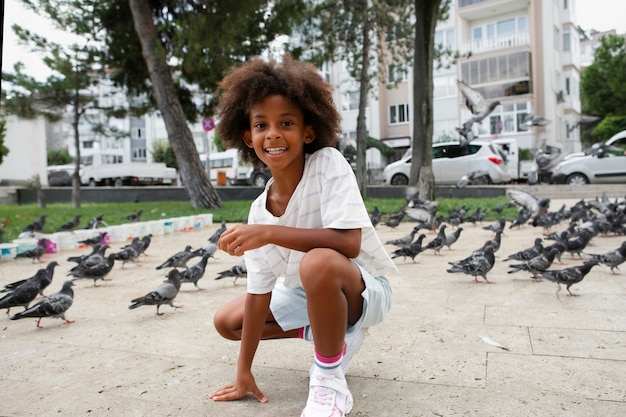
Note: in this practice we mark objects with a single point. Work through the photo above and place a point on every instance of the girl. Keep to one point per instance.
(315, 264)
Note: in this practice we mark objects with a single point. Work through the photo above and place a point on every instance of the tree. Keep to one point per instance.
(369, 36)
(603, 83)
(422, 177)
(4, 151)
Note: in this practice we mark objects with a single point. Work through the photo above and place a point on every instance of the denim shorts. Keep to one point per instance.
(288, 305)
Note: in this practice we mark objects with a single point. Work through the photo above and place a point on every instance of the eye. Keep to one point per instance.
(259, 125)
(287, 123)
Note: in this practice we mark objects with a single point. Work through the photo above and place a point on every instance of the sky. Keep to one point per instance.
(591, 14)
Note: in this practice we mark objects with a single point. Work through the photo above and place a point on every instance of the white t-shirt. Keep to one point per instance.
(326, 197)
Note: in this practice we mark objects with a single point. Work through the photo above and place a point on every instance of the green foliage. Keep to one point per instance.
(385, 150)
(59, 157)
(525, 154)
(603, 83)
(4, 151)
(609, 126)
(162, 152)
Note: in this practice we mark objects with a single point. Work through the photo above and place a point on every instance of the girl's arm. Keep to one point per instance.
(254, 317)
(243, 237)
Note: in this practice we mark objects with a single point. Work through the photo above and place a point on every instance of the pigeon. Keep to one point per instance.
(129, 253)
(178, 260)
(134, 217)
(411, 250)
(164, 294)
(37, 225)
(577, 243)
(569, 276)
(523, 215)
(527, 253)
(144, 244)
(537, 206)
(536, 265)
(237, 271)
(55, 305)
(95, 222)
(477, 265)
(531, 120)
(94, 240)
(70, 225)
(375, 216)
(404, 240)
(50, 273)
(196, 272)
(210, 249)
(26, 292)
(95, 272)
(95, 257)
(216, 235)
(495, 242)
(466, 132)
(612, 258)
(438, 241)
(394, 220)
(476, 103)
(34, 253)
(452, 237)
(497, 226)
(423, 211)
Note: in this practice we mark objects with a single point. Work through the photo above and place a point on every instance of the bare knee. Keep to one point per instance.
(320, 267)
(228, 322)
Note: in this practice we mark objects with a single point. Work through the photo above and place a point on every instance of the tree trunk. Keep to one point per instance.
(76, 176)
(422, 167)
(361, 128)
(197, 183)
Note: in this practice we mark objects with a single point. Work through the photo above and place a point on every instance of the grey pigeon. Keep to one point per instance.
(216, 235)
(70, 225)
(477, 265)
(95, 272)
(36, 252)
(25, 293)
(612, 258)
(531, 120)
(210, 249)
(411, 250)
(129, 253)
(178, 260)
(375, 216)
(37, 225)
(466, 131)
(536, 265)
(452, 238)
(537, 206)
(497, 226)
(94, 240)
(134, 217)
(95, 257)
(55, 305)
(237, 271)
(527, 253)
(476, 103)
(95, 222)
(404, 240)
(569, 276)
(164, 294)
(523, 215)
(44, 283)
(394, 220)
(196, 272)
(438, 241)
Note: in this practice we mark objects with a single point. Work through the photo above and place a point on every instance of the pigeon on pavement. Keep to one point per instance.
(164, 294)
(196, 272)
(44, 283)
(477, 265)
(129, 253)
(55, 305)
(216, 235)
(527, 253)
(95, 272)
(569, 276)
(536, 265)
(612, 258)
(438, 241)
(497, 226)
(375, 216)
(237, 271)
(178, 260)
(36, 252)
(70, 225)
(404, 240)
(452, 238)
(25, 293)
(411, 250)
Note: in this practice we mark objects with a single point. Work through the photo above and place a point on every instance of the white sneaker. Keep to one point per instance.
(329, 395)
(353, 344)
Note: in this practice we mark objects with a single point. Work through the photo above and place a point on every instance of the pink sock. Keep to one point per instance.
(328, 364)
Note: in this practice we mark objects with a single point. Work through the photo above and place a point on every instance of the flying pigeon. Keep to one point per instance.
(536, 265)
(612, 258)
(55, 305)
(411, 250)
(196, 272)
(527, 253)
(134, 217)
(95, 272)
(476, 103)
(178, 260)
(569, 276)
(164, 294)
(26, 292)
(537, 206)
(477, 265)
(531, 120)
(37, 225)
(34, 253)
(237, 271)
(70, 225)
(44, 283)
(466, 132)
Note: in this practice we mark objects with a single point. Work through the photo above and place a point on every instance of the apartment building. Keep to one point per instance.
(524, 53)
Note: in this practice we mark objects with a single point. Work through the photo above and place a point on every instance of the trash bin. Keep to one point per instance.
(221, 178)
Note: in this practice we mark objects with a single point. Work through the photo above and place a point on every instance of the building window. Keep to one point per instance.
(350, 101)
(506, 119)
(444, 87)
(396, 73)
(398, 113)
(500, 76)
(88, 144)
(567, 87)
(566, 40)
(444, 39)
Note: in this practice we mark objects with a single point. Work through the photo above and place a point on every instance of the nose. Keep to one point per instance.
(273, 132)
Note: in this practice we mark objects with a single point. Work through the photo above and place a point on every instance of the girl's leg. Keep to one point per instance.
(333, 287)
(229, 319)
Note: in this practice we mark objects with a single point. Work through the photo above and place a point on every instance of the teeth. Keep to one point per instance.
(275, 151)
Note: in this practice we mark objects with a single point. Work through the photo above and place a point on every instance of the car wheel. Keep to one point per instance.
(92, 182)
(259, 180)
(118, 182)
(399, 179)
(577, 179)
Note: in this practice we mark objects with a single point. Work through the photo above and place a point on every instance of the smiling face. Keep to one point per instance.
(278, 135)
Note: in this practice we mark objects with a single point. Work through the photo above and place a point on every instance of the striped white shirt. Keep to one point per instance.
(326, 197)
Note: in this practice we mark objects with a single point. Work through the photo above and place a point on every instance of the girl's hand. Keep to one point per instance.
(239, 389)
(240, 238)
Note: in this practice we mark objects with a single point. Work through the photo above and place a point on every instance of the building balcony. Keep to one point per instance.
(485, 9)
(502, 42)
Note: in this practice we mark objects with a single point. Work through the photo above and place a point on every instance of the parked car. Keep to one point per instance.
(259, 176)
(604, 163)
(451, 161)
(60, 175)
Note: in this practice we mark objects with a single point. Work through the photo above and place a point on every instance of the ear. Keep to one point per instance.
(247, 138)
(309, 134)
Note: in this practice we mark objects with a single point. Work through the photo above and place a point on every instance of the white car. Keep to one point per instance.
(605, 163)
(451, 161)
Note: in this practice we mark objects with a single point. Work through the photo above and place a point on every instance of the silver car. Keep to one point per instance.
(451, 161)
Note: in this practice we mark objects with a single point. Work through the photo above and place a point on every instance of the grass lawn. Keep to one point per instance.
(13, 219)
